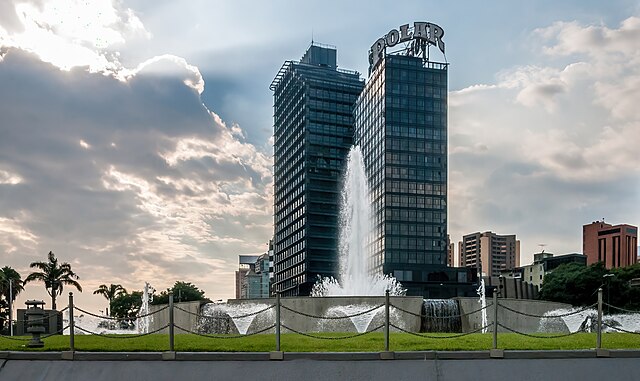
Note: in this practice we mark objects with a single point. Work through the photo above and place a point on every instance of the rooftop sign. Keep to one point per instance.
(420, 36)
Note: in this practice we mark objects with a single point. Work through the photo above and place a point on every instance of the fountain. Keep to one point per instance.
(483, 303)
(355, 229)
(586, 320)
(219, 317)
(360, 322)
(107, 325)
(143, 323)
(441, 315)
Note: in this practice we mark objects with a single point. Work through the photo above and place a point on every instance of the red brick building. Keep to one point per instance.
(615, 245)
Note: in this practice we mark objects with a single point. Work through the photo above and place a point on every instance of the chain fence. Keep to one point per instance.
(331, 317)
(224, 317)
(211, 336)
(620, 329)
(426, 336)
(332, 337)
(390, 322)
(455, 316)
(547, 316)
(120, 336)
(540, 336)
(621, 309)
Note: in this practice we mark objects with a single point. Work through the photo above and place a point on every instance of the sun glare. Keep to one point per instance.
(73, 33)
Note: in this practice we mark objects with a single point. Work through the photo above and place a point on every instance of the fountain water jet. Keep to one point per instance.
(355, 229)
(143, 323)
(483, 303)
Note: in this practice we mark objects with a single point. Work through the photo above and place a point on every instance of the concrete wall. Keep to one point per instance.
(507, 318)
(180, 318)
(310, 306)
(322, 306)
(327, 307)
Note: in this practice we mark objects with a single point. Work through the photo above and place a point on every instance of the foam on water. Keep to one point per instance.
(235, 313)
(587, 319)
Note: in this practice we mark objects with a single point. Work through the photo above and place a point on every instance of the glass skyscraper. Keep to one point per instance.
(401, 126)
(313, 131)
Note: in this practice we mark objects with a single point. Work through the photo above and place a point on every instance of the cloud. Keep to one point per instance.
(140, 180)
(569, 38)
(70, 33)
(551, 146)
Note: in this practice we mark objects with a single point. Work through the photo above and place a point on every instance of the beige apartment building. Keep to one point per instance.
(489, 252)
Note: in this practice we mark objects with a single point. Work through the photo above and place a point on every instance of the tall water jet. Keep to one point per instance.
(143, 323)
(483, 304)
(354, 236)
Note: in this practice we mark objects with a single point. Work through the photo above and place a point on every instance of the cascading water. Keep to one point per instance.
(355, 228)
(441, 315)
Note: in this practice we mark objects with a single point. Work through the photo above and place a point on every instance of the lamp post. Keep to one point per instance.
(607, 277)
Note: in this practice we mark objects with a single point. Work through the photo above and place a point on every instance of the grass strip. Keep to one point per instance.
(290, 342)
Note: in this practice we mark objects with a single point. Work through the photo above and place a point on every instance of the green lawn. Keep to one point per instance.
(373, 342)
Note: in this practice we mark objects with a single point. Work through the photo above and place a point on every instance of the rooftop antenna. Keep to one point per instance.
(542, 245)
(311, 35)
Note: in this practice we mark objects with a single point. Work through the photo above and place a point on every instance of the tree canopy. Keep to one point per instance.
(110, 292)
(182, 292)
(578, 285)
(55, 276)
(8, 277)
(126, 305)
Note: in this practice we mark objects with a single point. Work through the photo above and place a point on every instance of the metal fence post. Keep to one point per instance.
(386, 320)
(171, 324)
(495, 319)
(599, 327)
(72, 325)
(277, 321)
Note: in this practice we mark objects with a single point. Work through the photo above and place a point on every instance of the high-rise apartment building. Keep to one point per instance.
(614, 245)
(313, 132)
(489, 252)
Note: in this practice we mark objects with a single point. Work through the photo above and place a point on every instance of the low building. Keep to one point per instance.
(245, 262)
(545, 263)
(254, 277)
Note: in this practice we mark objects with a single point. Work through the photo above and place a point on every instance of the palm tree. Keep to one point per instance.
(54, 275)
(110, 293)
(10, 287)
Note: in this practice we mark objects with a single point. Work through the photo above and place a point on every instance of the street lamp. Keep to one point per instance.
(607, 277)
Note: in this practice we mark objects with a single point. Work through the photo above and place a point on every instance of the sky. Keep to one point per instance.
(135, 136)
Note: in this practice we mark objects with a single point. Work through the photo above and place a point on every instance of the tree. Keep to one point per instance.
(110, 293)
(54, 275)
(578, 285)
(10, 287)
(182, 292)
(126, 306)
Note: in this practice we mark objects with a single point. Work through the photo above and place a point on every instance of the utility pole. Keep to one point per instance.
(10, 307)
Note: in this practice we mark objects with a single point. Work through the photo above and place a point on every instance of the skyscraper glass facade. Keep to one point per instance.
(401, 126)
(313, 131)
